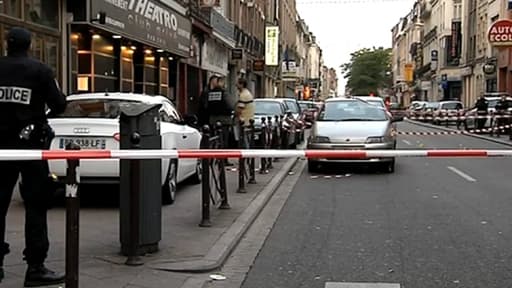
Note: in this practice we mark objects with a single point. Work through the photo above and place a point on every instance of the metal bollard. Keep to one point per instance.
(252, 142)
(222, 166)
(72, 219)
(241, 162)
(205, 184)
(264, 139)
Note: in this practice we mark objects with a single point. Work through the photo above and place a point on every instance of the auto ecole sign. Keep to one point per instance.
(500, 33)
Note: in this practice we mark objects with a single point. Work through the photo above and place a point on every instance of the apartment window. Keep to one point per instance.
(43, 12)
(11, 8)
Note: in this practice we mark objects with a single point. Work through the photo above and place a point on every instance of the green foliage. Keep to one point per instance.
(368, 71)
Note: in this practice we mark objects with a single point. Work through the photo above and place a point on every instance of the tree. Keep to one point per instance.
(368, 71)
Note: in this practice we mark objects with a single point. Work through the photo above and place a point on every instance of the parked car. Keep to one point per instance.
(427, 112)
(309, 109)
(270, 107)
(351, 124)
(92, 122)
(448, 109)
(293, 107)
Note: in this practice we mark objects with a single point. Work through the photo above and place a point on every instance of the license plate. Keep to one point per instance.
(84, 143)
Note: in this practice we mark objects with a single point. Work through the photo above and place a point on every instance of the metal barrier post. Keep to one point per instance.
(205, 184)
(222, 167)
(252, 142)
(264, 140)
(270, 129)
(241, 161)
(72, 219)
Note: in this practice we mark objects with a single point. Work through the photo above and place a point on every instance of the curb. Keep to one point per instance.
(487, 138)
(221, 250)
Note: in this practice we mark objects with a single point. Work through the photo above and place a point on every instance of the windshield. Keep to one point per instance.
(432, 105)
(94, 108)
(492, 103)
(292, 105)
(452, 106)
(267, 108)
(307, 105)
(376, 102)
(352, 111)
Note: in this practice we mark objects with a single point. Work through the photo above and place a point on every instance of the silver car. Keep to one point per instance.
(353, 124)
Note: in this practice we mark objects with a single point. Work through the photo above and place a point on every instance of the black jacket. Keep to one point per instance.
(27, 86)
(481, 105)
(502, 106)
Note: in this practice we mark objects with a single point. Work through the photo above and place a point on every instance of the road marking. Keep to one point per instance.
(361, 285)
(407, 142)
(462, 174)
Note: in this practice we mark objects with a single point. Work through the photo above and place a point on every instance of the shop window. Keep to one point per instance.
(42, 12)
(11, 8)
(84, 63)
(151, 89)
(127, 68)
(127, 86)
(149, 73)
(104, 65)
(102, 84)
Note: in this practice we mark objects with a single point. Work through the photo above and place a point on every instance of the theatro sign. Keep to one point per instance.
(148, 21)
(500, 33)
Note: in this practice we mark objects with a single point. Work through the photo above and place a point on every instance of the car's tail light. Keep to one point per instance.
(117, 137)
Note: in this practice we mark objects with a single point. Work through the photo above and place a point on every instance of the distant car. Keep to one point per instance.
(309, 109)
(293, 107)
(351, 124)
(92, 122)
(271, 107)
(450, 108)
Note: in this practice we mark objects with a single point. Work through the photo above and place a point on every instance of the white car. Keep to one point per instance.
(92, 122)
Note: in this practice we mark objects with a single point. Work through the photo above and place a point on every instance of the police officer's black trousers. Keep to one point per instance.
(35, 196)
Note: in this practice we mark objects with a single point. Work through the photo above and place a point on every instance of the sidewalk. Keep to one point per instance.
(183, 244)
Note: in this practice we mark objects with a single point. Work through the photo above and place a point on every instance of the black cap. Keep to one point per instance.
(18, 40)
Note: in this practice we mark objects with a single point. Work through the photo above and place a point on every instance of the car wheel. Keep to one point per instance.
(171, 183)
(198, 175)
(312, 166)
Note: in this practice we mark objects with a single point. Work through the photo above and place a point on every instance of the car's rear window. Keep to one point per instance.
(267, 108)
(94, 108)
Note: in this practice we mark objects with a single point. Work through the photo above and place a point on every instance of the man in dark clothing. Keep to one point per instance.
(481, 106)
(204, 114)
(27, 88)
(501, 112)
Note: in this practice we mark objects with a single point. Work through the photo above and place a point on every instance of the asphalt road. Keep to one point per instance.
(433, 223)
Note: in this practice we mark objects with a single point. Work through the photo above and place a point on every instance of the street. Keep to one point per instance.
(433, 223)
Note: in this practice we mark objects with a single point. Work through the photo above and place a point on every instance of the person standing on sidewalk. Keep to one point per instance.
(26, 87)
(481, 106)
(244, 109)
(204, 113)
(220, 108)
(501, 113)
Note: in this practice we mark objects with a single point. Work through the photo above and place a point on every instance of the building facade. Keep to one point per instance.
(165, 47)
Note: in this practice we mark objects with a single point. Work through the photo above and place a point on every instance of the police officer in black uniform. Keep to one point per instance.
(502, 113)
(481, 106)
(221, 108)
(27, 89)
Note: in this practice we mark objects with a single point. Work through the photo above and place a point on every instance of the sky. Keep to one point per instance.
(344, 26)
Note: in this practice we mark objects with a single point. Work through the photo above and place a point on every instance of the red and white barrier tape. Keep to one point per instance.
(472, 131)
(457, 117)
(23, 155)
